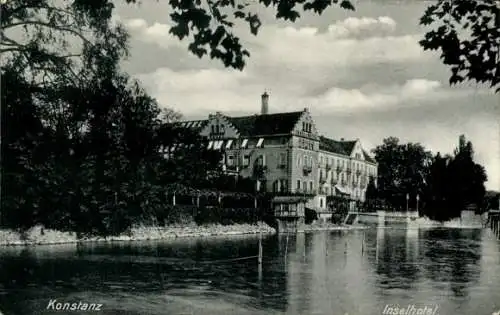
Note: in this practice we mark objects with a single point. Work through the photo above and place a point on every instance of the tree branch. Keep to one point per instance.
(48, 25)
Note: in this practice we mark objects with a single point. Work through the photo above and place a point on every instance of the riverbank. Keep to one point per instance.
(40, 236)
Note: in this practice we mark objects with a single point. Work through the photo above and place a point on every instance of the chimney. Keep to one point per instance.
(264, 104)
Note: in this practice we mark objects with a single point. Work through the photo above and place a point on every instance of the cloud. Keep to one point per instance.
(349, 42)
(227, 90)
(362, 27)
(156, 33)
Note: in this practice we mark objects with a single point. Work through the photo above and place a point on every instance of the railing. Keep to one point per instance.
(322, 179)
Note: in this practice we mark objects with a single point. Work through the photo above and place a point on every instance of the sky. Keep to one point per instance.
(361, 74)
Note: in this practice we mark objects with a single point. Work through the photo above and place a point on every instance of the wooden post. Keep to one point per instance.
(363, 244)
(259, 259)
(326, 246)
(286, 246)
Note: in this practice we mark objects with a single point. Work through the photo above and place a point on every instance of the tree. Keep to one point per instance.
(67, 41)
(401, 170)
(468, 35)
(454, 183)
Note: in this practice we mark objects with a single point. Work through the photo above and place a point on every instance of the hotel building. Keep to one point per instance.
(285, 153)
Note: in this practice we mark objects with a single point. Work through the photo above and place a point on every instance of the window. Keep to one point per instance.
(283, 185)
(230, 160)
(304, 184)
(222, 129)
(246, 160)
(298, 184)
(282, 160)
(310, 186)
(321, 202)
(261, 160)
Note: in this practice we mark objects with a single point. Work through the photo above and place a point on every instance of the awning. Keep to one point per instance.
(260, 142)
(228, 144)
(218, 145)
(210, 145)
(244, 143)
(339, 190)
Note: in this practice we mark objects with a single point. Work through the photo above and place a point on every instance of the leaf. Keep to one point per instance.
(345, 4)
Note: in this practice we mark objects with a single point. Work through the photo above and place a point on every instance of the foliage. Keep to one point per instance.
(66, 42)
(402, 169)
(455, 182)
(446, 185)
(468, 35)
(227, 216)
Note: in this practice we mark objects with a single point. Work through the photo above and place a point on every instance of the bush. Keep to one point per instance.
(227, 216)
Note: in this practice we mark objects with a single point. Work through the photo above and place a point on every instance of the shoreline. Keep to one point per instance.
(39, 236)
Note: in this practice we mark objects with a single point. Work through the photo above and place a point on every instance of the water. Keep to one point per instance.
(456, 270)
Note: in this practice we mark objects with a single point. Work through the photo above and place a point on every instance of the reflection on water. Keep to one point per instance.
(315, 273)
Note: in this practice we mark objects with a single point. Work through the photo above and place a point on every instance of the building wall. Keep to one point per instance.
(296, 151)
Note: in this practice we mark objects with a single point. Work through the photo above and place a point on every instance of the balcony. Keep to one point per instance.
(339, 169)
(322, 179)
(348, 170)
(359, 172)
(328, 166)
(334, 182)
(307, 169)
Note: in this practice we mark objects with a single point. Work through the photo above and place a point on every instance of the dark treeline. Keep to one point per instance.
(445, 185)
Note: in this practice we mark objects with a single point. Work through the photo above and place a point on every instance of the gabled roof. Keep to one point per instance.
(334, 146)
(259, 125)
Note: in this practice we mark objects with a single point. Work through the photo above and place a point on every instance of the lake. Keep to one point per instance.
(450, 271)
